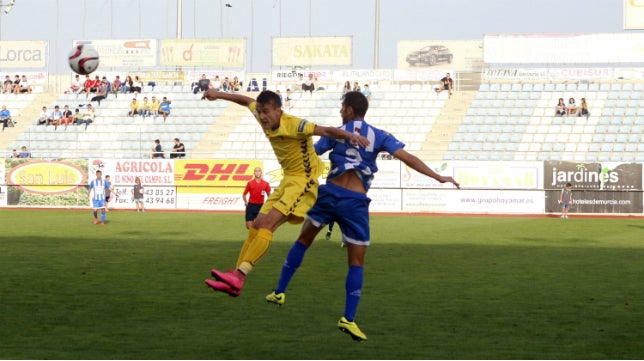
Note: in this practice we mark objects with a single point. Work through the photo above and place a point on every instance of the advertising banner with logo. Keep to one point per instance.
(292, 76)
(597, 188)
(306, 51)
(22, 54)
(463, 55)
(124, 53)
(46, 183)
(214, 184)
(229, 53)
(498, 175)
(363, 75)
(385, 200)
(156, 175)
(548, 74)
(472, 201)
(160, 77)
(633, 14)
(563, 48)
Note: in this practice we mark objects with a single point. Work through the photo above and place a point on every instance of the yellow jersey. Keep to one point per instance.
(292, 144)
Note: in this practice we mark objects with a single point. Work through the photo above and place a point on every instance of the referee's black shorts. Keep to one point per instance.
(252, 210)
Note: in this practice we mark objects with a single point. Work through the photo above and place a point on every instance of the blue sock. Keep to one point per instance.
(95, 214)
(103, 217)
(293, 261)
(353, 287)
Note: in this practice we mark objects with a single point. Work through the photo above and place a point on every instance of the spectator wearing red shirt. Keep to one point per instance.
(91, 86)
(258, 188)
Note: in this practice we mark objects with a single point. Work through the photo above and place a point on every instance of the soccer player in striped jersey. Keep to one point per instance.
(97, 196)
(343, 200)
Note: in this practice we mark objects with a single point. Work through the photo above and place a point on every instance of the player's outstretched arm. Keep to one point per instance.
(418, 165)
(212, 94)
(338, 133)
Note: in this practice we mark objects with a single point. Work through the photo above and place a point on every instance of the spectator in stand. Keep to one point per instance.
(127, 85)
(16, 84)
(289, 99)
(356, 87)
(308, 84)
(7, 86)
(137, 85)
(88, 116)
(157, 151)
(178, 150)
(68, 116)
(154, 107)
(43, 118)
(101, 92)
(108, 83)
(346, 88)
(164, 108)
(24, 86)
(5, 117)
(14, 154)
(24, 153)
(571, 109)
(144, 108)
(89, 86)
(76, 85)
(134, 108)
(366, 92)
(225, 85)
(77, 116)
(235, 86)
(201, 85)
(277, 91)
(116, 86)
(216, 83)
(446, 84)
(583, 109)
(56, 117)
(560, 109)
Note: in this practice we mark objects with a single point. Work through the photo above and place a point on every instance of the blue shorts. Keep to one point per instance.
(99, 203)
(349, 209)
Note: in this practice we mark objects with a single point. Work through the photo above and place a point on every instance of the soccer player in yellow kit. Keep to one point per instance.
(291, 140)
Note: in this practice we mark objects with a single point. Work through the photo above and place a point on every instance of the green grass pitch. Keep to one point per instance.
(435, 288)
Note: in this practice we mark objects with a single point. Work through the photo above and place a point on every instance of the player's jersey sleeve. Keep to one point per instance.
(247, 189)
(345, 157)
(323, 145)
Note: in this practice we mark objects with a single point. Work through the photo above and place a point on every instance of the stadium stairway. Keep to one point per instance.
(213, 143)
(26, 118)
(442, 132)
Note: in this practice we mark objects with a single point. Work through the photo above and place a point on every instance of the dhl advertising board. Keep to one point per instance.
(211, 184)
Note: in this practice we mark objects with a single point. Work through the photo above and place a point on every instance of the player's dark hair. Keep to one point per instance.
(357, 101)
(268, 96)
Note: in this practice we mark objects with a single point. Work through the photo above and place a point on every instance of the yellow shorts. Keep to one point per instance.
(293, 198)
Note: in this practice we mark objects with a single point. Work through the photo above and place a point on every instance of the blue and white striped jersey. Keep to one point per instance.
(97, 187)
(346, 157)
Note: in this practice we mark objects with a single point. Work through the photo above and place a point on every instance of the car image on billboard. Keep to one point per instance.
(430, 55)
